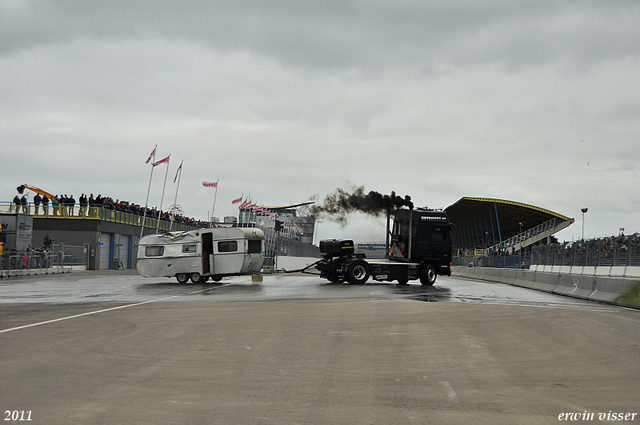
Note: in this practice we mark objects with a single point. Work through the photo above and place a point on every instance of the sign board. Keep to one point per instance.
(24, 231)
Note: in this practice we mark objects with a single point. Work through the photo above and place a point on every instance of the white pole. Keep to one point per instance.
(146, 203)
(175, 200)
(214, 204)
(162, 197)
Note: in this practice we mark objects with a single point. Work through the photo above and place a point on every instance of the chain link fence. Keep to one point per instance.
(497, 261)
(611, 251)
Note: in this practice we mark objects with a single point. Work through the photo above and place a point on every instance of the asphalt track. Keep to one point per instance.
(114, 348)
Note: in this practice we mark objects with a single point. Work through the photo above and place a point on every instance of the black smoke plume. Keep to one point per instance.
(338, 204)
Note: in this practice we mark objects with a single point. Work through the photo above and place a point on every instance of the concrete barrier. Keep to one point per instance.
(545, 282)
(619, 291)
(618, 271)
(623, 292)
(564, 270)
(575, 286)
(525, 278)
(633, 272)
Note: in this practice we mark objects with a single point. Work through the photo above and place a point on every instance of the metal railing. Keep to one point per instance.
(60, 255)
(277, 244)
(96, 212)
(496, 261)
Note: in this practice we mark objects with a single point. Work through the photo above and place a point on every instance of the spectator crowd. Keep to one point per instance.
(89, 206)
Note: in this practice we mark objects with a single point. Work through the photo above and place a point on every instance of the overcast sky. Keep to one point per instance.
(529, 101)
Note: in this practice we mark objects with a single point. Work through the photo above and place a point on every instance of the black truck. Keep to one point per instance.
(417, 247)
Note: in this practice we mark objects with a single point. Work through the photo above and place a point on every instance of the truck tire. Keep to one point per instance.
(182, 278)
(358, 273)
(428, 275)
(196, 278)
(334, 278)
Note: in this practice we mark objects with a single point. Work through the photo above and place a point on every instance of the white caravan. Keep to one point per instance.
(203, 253)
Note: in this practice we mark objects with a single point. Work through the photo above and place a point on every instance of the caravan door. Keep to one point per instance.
(228, 256)
(208, 264)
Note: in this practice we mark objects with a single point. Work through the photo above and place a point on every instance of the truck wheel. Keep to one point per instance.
(182, 277)
(196, 277)
(428, 275)
(358, 272)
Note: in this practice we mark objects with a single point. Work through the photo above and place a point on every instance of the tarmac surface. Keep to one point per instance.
(115, 348)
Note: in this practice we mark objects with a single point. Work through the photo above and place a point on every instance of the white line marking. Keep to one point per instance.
(108, 309)
(450, 393)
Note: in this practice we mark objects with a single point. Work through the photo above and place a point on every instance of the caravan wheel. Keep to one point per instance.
(196, 278)
(182, 277)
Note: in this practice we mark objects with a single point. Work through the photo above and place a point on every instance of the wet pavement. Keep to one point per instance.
(113, 347)
(130, 287)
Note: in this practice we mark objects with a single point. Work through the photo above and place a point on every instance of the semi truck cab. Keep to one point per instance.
(418, 246)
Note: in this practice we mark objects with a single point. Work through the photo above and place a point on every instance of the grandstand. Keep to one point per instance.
(486, 226)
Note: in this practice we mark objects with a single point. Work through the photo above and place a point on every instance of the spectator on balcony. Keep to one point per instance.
(83, 205)
(37, 200)
(71, 203)
(45, 205)
(16, 202)
(92, 206)
(25, 204)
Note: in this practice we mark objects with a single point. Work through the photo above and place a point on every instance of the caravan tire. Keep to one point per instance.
(182, 278)
(196, 278)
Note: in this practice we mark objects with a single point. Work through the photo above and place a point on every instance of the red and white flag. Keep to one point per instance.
(162, 161)
(152, 157)
(235, 201)
(177, 171)
(207, 184)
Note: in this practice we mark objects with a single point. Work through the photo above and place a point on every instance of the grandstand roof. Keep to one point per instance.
(473, 218)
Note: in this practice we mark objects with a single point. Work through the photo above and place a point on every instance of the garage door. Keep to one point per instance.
(124, 245)
(105, 251)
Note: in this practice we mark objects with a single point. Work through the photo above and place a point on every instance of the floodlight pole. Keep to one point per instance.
(584, 210)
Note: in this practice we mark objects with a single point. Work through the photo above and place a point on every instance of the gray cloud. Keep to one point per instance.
(284, 100)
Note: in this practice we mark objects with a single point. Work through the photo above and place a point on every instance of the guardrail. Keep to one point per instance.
(95, 212)
(34, 263)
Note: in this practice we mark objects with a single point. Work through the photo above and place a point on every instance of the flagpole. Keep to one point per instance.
(162, 197)
(214, 204)
(146, 203)
(175, 200)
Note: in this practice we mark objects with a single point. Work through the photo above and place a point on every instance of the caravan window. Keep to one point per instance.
(154, 251)
(255, 246)
(227, 246)
(188, 248)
